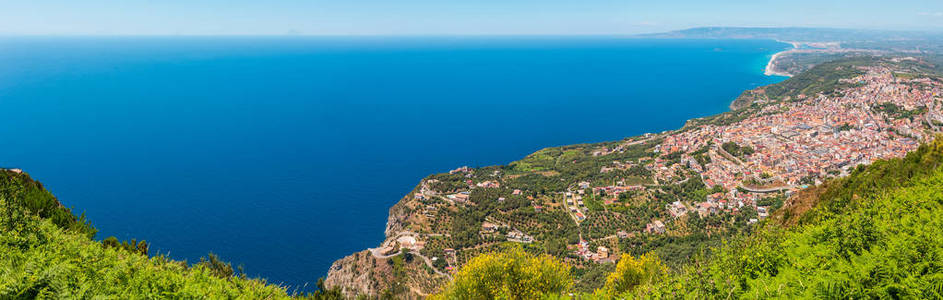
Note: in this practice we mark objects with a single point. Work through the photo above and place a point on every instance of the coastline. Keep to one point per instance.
(771, 65)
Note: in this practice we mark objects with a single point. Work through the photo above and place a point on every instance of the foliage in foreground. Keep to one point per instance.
(632, 272)
(40, 260)
(46, 252)
(22, 191)
(509, 274)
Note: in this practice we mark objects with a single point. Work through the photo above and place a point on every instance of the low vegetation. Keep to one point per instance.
(509, 274)
(48, 253)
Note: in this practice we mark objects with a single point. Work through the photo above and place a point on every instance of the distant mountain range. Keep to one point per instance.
(797, 34)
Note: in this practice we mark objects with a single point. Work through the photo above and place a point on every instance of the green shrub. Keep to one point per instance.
(509, 274)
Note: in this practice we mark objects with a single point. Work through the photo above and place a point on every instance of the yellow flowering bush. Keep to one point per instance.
(632, 272)
(509, 274)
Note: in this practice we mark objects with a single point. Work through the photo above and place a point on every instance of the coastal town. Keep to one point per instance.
(799, 143)
(589, 203)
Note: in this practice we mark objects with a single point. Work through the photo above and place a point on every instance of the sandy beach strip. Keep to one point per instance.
(771, 65)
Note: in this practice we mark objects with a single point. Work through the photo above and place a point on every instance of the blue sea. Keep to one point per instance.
(284, 154)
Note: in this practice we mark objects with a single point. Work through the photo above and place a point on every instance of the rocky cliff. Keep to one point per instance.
(390, 268)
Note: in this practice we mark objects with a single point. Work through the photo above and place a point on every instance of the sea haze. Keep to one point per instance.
(285, 154)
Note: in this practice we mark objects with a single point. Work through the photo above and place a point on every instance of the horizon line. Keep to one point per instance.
(614, 34)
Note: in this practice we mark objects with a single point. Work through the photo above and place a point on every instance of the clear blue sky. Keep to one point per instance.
(438, 17)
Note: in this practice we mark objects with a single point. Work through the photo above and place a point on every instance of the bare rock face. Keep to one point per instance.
(397, 220)
(363, 274)
(366, 273)
(359, 274)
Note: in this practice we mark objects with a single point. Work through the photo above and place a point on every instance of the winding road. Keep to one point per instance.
(376, 253)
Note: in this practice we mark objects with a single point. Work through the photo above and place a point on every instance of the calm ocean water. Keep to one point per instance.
(284, 154)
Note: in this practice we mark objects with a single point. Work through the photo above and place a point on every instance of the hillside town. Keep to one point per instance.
(802, 139)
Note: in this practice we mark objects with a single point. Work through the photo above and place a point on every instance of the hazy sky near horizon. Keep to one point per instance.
(444, 17)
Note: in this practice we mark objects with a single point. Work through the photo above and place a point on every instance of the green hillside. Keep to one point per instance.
(47, 253)
(874, 234)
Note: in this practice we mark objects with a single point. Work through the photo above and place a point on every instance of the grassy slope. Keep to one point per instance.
(45, 252)
(22, 191)
(43, 261)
